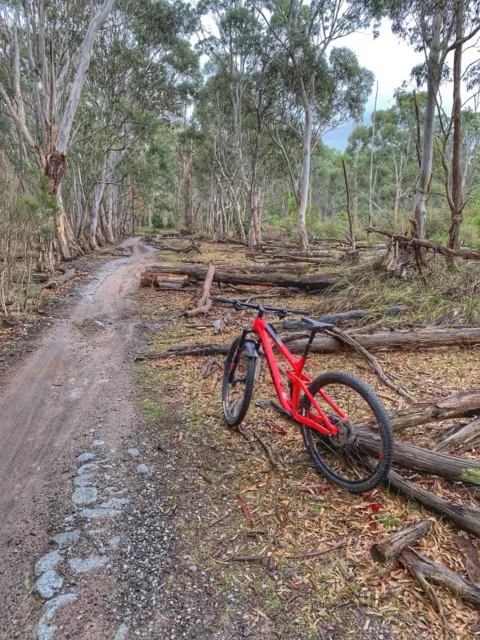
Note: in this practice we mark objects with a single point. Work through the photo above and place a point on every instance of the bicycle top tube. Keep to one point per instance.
(261, 308)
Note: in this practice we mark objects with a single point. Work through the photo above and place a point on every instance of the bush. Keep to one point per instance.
(157, 221)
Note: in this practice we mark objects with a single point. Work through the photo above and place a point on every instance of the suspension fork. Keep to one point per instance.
(250, 347)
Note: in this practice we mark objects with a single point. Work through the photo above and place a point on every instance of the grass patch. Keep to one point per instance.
(442, 288)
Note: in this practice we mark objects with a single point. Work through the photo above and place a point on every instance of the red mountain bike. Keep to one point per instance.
(332, 409)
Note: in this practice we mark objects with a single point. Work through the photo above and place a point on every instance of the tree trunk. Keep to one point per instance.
(394, 544)
(423, 183)
(457, 191)
(305, 178)
(398, 191)
(187, 190)
(349, 213)
(205, 303)
(370, 190)
(110, 214)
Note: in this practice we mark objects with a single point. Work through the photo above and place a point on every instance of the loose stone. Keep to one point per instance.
(84, 480)
(114, 542)
(142, 468)
(47, 563)
(87, 468)
(67, 539)
(85, 457)
(84, 495)
(47, 585)
(80, 565)
(98, 513)
(115, 503)
(134, 452)
(44, 631)
(51, 606)
(122, 632)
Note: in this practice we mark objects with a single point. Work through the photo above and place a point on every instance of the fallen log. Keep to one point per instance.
(346, 316)
(163, 280)
(423, 460)
(393, 340)
(187, 350)
(424, 569)
(459, 405)
(465, 254)
(395, 543)
(163, 283)
(382, 340)
(68, 275)
(308, 282)
(464, 439)
(187, 249)
(464, 517)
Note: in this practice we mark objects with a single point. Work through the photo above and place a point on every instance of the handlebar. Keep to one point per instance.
(281, 311)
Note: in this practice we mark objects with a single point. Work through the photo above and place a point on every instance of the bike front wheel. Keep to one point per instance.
(238, 381)
(354, 459)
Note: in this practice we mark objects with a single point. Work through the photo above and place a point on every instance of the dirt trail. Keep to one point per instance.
(76, 379)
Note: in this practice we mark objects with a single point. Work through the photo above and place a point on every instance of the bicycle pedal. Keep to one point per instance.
(263, 404)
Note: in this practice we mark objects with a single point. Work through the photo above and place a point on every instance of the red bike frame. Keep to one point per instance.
(298, 379)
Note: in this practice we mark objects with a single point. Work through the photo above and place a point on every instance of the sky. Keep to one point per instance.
(391, 60)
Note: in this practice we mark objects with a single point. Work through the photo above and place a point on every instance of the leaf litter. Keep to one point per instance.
(293, 549)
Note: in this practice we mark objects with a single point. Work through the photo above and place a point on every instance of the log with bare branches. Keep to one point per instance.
(458, 405)
(465, 254)
(392, 545)
(462, 440)
(377, 368)
(424, 569)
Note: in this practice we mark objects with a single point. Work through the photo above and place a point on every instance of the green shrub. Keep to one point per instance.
(157, 221)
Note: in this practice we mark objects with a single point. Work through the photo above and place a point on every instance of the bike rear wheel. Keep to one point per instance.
(347, 459)
(238, 381)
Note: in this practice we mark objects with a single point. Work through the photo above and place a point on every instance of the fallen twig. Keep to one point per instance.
(246, 510)
(268, 450)
(348, 339)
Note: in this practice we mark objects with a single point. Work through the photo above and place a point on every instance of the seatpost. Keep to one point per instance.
(309, 344)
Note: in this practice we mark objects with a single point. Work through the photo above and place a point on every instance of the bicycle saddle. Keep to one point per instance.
(314, 325)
